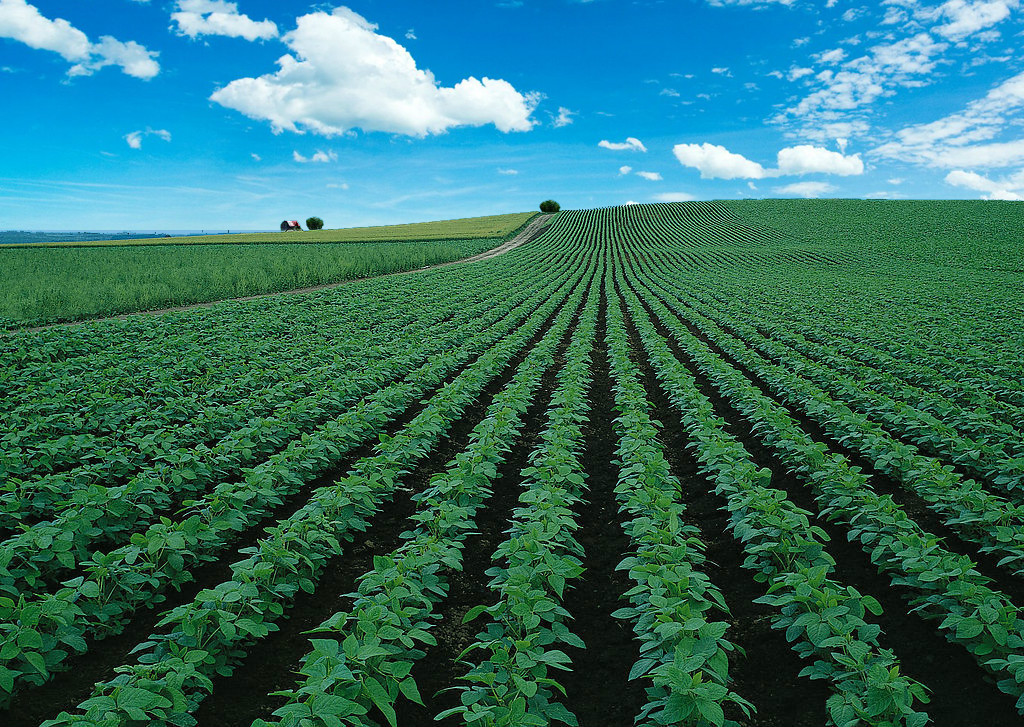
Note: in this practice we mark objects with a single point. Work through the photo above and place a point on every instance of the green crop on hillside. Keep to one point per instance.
(694, 464)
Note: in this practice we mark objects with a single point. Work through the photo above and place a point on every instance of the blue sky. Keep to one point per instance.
(207, 114)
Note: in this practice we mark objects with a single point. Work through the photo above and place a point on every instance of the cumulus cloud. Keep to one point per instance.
(134, 138)
(343, 75)
(717, 162)
(807, 159)
(319, 157)
(23, 22)
(630, 144)
(805, 189)
(650, 176)
(624, 170)
(1008, 188)
(218, 17)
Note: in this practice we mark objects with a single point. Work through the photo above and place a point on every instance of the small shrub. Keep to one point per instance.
(549, 206)
(314, 223)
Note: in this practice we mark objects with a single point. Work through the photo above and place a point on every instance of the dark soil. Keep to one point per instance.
(440, 669)
(610, 647)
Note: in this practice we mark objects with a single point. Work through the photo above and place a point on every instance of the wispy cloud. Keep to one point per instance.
(630, 144)
(319, 157)
(134, 138)
(805, 189)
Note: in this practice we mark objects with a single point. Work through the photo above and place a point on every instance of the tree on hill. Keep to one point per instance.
(549, 206)
(314, 223)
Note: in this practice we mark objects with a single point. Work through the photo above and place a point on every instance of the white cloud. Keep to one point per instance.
(807, 159)
(831, 56)
(334, 185)
(674, 197)
(797, 73)
(963, 17)
(630, 144)
(722, 71)
(955, 140)
(671, 92)
(343, 75)
(624, 170)
(1010, 188)
(917, 40)
(23, 22)
(134, 138)
(717, 162)
(564, 117)
(650, 176)
(508, 172)
(319, 157)
(805, 189)
(256, 157)
(218, 17)
(410, 34)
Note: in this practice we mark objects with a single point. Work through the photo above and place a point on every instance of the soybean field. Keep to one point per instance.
(699, 463)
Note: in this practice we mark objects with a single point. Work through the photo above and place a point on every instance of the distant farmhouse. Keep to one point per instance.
(290, 225)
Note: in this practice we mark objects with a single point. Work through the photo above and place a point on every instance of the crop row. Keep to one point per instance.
(208, 635)
(37, 632)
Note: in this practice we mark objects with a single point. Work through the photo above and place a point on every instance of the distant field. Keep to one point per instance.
(969, 234)
(466, 228)
(42, 284)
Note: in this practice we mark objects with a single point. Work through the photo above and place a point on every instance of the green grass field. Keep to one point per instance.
(42, 284)
(463, 229)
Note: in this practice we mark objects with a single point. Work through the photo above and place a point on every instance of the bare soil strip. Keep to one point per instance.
(610, 647)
